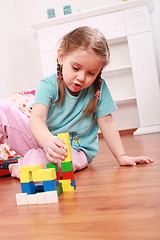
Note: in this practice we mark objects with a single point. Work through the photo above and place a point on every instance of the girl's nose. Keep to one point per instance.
(81, 76)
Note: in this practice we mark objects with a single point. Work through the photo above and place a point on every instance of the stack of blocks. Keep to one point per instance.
(44, 185)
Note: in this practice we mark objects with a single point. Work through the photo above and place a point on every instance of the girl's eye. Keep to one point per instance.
(90, 73)
(75, 68)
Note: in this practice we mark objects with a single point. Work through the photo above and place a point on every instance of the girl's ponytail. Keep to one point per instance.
(91, 107)
(61, 89)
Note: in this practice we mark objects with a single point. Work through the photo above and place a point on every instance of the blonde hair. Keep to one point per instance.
(85, 38)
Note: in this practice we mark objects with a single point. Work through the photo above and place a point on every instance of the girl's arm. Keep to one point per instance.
(111, 135)
(52, 145)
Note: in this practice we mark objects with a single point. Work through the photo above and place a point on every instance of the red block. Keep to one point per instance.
(68, 175)
(58, 176)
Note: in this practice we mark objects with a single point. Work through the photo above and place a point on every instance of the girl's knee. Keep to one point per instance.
(79, 160)
(35, 157)
(3, 106)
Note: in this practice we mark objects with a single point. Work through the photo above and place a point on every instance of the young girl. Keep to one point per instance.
(75, 100)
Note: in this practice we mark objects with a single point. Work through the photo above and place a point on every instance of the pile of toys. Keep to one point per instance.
(40, 186)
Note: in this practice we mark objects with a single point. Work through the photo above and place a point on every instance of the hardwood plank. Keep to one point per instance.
(110, 202)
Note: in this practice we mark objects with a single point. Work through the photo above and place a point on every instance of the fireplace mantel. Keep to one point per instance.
(93, 12)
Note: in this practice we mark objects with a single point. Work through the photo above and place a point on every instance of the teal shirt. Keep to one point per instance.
(68, 116)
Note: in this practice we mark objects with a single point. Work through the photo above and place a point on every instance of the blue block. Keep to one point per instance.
(49, 186)
(57, 182)
(73, 183)
(28, 188)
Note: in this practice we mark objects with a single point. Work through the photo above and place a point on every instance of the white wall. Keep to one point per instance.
(20, 65)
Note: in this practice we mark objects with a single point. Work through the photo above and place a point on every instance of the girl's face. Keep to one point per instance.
(80, 68)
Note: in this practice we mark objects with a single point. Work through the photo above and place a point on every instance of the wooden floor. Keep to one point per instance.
(110, 202)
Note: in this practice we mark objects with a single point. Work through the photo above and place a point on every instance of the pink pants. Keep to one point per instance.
(14, 130)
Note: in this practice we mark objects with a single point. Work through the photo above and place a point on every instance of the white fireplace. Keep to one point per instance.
(132, 74)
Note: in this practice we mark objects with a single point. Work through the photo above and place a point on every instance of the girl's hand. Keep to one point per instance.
(55, 148)
(132, 161)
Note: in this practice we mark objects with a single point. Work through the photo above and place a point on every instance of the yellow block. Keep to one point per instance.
(25, 177)
(65, 138)
(48, 174)
(66, 185)
(30, 168)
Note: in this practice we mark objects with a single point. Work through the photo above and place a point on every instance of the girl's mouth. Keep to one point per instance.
(76, 86)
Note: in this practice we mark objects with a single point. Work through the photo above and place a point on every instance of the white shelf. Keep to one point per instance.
(125, 100)
(119, 70)
(121, 39)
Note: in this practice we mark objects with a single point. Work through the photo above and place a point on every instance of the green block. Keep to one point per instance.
(67, 166)
(59, 189)
(53, 165)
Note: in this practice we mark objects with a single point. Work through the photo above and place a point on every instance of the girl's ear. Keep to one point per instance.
(60, 56)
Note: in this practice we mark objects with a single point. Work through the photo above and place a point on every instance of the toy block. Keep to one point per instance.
(49, 186)
(67, 166)
(44, 175)
(58, 176)
(51, 197)
(28, 188)
(39, 187)
(53, 165)
(66, 185)
(59, 188)
(25, 177)
(57, 182)
(30, 168)
(32, 199)
(21, 198)
(11, 158)
(73, 183)
(68, 175)
(65, 138)
(41, 198)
